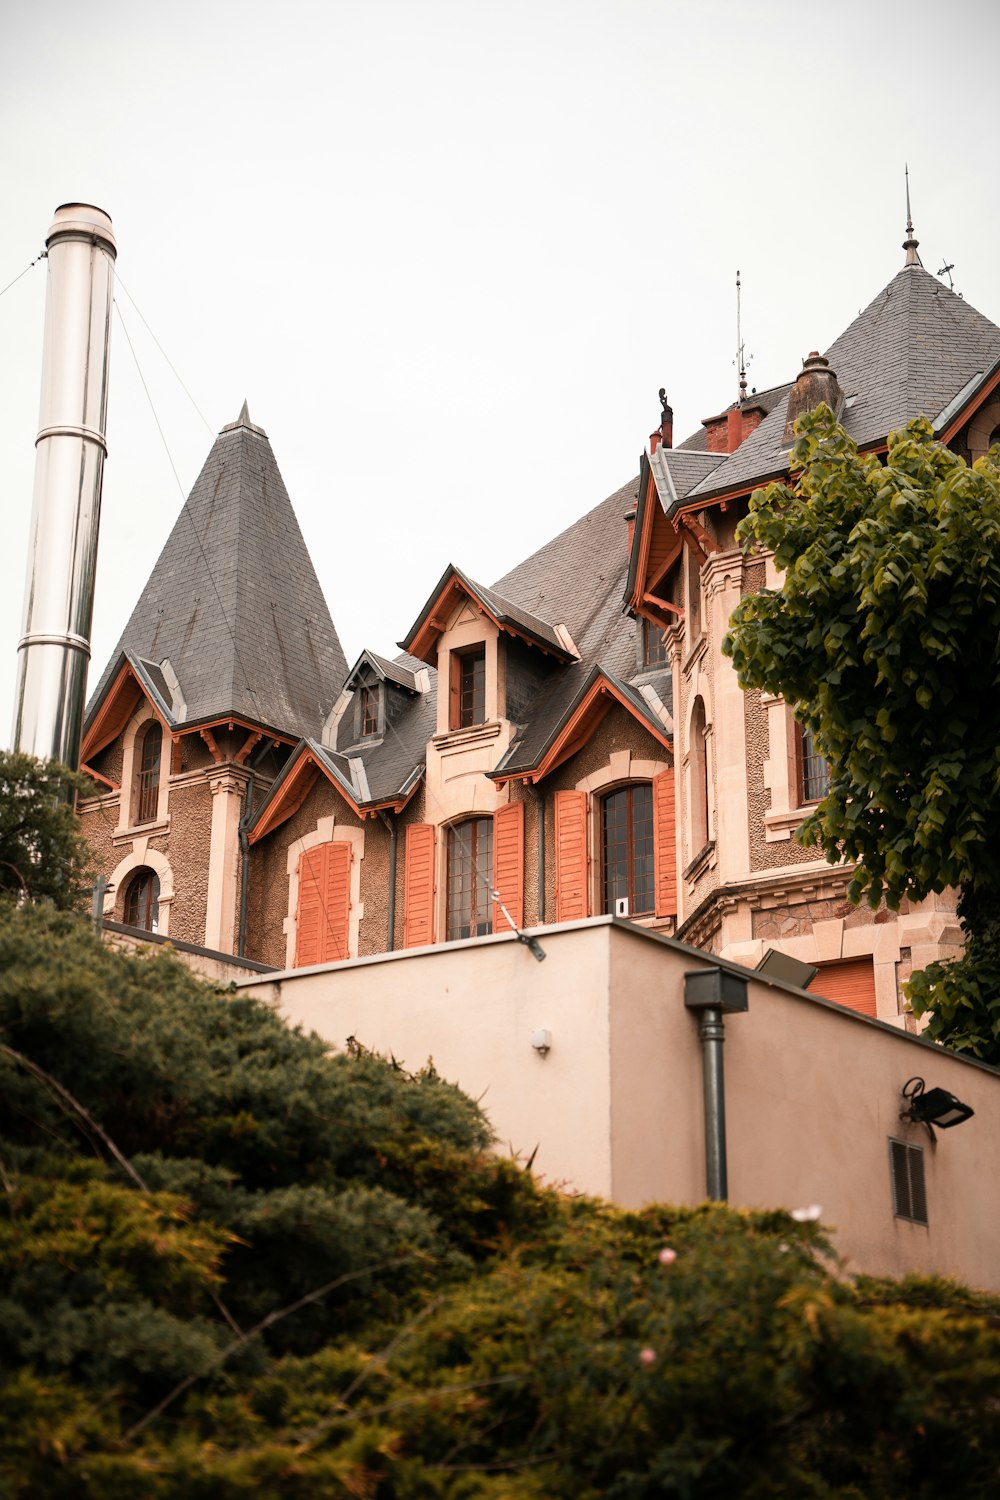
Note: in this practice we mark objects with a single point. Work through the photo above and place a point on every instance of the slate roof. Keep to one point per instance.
(235, 569)
(391, 671)
(768, 399)
(392, 762)
(579, 578)
(504, 610)
(909, 353)
(677, 472)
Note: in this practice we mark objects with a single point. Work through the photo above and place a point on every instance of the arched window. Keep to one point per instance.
(147, 778)
(698, 770)
(142, 900)
(627, 849)
(470, 878)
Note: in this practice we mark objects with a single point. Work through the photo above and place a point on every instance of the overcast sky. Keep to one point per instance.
(449, 251)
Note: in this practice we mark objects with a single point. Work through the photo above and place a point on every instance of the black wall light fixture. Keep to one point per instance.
(933, 1106)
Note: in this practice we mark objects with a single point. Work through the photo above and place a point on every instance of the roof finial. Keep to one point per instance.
(910, 243)
(740, 361)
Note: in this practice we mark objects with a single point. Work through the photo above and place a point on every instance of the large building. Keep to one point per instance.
(563, 742)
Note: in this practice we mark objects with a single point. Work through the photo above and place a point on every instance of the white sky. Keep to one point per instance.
(449, 251)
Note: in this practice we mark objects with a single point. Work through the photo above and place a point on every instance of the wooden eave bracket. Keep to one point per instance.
(247, 747)
(655, 602)
(97, 776)
(696, 537)
(209, 739)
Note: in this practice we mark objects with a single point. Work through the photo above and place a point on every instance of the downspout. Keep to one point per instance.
(393, 827)
(712, 992)
(244, 827)
(54, 649)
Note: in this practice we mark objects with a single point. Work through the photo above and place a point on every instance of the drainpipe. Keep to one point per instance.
(712, 992)
(540, 804)
(54, 648)
(245, 821)
(393, 828)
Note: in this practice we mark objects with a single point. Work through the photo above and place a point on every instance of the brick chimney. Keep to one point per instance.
(815, 382)
(630, 515)
(726, 432)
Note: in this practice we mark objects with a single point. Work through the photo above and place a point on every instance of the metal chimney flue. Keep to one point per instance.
(54, 648)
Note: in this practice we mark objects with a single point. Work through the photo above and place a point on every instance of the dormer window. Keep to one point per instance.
(468, 687)
(369, 710)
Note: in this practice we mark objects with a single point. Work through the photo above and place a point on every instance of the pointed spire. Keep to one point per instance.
(910, 243)
(243, 420)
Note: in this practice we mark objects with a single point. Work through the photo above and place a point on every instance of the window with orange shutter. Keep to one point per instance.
(323, 920)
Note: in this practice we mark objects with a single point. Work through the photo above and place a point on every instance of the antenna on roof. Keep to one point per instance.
(740, 361)
(910, 243)
(946, 270)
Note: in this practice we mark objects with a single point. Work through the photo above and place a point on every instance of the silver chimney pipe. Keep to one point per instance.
(54, 648)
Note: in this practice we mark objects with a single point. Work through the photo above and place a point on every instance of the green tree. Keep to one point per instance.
(885, 639)
(178, 1169)
(43, 854)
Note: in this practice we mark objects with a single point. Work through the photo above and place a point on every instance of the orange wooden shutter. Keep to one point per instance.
(508, 864)
(337, 901)
(322, 923)
(665, 844)
(308, 921)
(571, 856)
(418, 901)
(849, 981)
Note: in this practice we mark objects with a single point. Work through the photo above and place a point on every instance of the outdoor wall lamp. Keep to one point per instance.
(933, 1107)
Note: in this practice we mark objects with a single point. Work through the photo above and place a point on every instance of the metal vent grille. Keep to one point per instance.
(909, 1191)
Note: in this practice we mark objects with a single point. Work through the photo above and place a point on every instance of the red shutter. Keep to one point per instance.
(508, 864)
(308, 921)
(322, 921)
(337, 900)
(571, 856)
(665, 844)
(849, 981)
(418, 901)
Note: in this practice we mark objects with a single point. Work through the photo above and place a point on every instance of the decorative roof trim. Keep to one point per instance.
(297, 779)
(966, 403)
(599, 694)
(109, 716)
(387, 671)
(453, 584)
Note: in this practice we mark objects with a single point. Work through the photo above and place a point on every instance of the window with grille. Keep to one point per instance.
(627, 849)
(909, 1191)
(814, 771)
(147, 789)
(468, 688)
(654, 647)
(470, 878)
(142, 900)
(368, 710)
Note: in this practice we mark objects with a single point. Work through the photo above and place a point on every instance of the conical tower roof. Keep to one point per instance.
(234, 601)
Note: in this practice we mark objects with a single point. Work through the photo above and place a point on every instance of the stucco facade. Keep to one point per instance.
(616, 1105)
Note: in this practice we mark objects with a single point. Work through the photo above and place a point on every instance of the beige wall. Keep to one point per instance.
(615, 1108)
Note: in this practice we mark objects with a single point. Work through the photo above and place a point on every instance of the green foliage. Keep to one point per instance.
(43, 854)
(885, 638)
(461, 1332)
